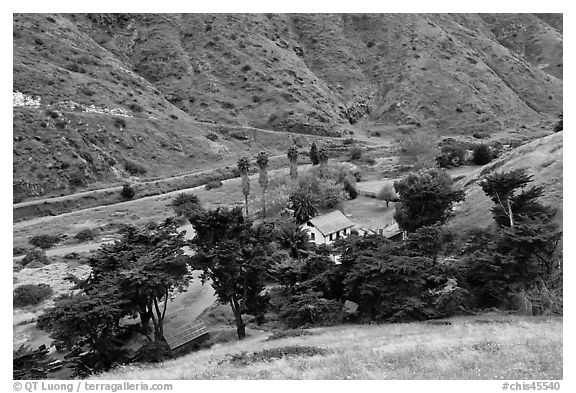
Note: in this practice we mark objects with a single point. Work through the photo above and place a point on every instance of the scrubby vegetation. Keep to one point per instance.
(44, 241)
(35, 255)
(127, 192)
(31, 294)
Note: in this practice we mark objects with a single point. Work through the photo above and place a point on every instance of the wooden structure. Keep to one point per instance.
(185, 334)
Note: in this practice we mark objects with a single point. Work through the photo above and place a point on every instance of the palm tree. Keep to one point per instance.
(323, 159)
(293, 237)
(293, 157)
(303, 205)
(243, 167)
(262, 161)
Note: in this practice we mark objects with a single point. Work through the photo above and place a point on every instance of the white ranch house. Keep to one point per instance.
(325, 229)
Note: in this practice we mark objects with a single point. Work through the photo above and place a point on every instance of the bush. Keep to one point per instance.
(153, 352)
(355, 153)
(44, 241)
(480, 135)
(212, 136)
(309, 308)
(185, 204)
(559, 126)
(350, 189)
(213, 184)
(119, 122)
(134, 168)
(482, 155)
(135, 108)
(127, 191)
(77, 178)
(451, 156)
(85, 234)
(36, 254)
(31, 294)
(18, 251)
(348, 141)
(75, 68)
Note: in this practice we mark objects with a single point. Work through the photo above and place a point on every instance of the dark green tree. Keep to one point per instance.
(481, 155)
(511, 199)
(233, 255)
(314, 154)
(303, 204)
(426, 198)
(145, 268)
(293, 238)
(91, 321)
(185, 204)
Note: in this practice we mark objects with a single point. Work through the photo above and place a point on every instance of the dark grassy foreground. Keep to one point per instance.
(478, 347)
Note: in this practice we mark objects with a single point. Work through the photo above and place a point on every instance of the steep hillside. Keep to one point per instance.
(543, 160)
(93, 91)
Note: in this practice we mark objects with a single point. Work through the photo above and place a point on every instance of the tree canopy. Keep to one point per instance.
(426, 198)
(232, 254)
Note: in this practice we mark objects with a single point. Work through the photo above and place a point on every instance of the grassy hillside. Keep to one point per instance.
(542, 158)
(479, 347)
(95, 91)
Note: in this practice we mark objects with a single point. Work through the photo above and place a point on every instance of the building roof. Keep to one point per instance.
(331, 222)
(388, 231)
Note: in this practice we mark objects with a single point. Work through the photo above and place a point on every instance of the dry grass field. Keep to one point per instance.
(482, 347)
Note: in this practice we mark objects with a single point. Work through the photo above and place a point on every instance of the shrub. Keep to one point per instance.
(75, 68)
(309, 308)
(44, 241)
(559, 126)
(350, 189)
(213, 184)
(31, 294)
(246, 68)
(134, 168)
(185, 204)
(36, 254)
(348, 141)
(154, 352)
(451, 156)
(482, 155)
(135, 108)
(212, 136)
(77, 178)
(85, 234)
(119, 122)
(127, 191)
(355, 153)
(18, 251)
